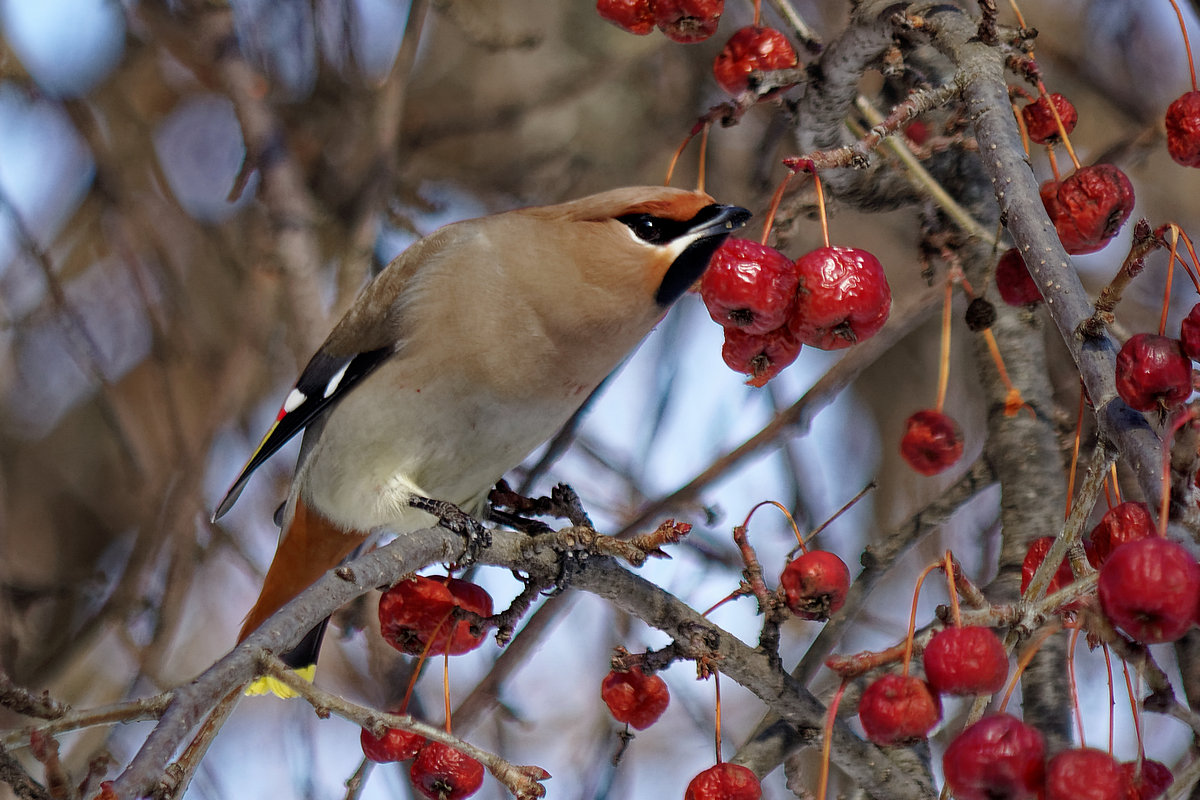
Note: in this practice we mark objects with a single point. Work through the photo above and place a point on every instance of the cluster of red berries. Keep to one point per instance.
(754, 48)
(1149, 586)
(813, 585)
(771, 306)
(1001, 756)
(899, 709)
(685, 21)
(417, 616)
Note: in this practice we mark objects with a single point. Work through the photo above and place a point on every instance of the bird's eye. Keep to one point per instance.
(646, 227)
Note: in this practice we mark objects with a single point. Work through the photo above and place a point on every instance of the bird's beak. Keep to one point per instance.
(705, 233)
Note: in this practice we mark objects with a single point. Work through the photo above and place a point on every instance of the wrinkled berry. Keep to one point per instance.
(895, 709)
(1016, 285)
(1088, 207)
(932, 442)
(634, 697)
(1153, 373)
(753, 48)
(997, 758)
(1040, 122)
(749, 286)
(688, 21)
(1183, 129)
(759, 355)
(815, 584)
(843, 297)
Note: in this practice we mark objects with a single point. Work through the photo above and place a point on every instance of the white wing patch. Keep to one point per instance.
(294, 399)
(332, 386)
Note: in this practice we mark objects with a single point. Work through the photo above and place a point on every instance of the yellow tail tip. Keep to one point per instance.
(269, 684)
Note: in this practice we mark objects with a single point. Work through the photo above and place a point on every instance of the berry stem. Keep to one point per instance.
(827, 740)
(944, 357)
(1023, 128)
(1074, 685)
(717, 723)
(1053, 162)
(446, 676)
(952, 588)
(1134, 707)
(1166, 303)
(848, 505)
(821, 207)
(1075, 450)
(734, 595)
(757, 12)
(1116, 485)
(776, 199)
(791, 520)
(1188, 414)
(1187, 242)
(1026, 657)
(1017, 12)
(704, 157)
(912, 617)
(1112, 699)
(1186, 42)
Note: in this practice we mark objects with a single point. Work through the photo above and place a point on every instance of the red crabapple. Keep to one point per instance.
(895, 709)
(750, 49)
(1016, 285)
(634, 697)
(635, 16)
(1153, 372)
(688, 21)
(844, 297)
(761, 356)
(442, 773)
(965, 660)
(1183, 129)
(1040, 122)
(932, 442)
(815, 584)
(724, 781)
(417, 610)
(997, 758)
(1149, 588)
(749, 286)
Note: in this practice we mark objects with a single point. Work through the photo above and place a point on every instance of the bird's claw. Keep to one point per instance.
(454, 519)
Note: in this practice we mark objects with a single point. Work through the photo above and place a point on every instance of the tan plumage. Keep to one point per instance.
(472, 348)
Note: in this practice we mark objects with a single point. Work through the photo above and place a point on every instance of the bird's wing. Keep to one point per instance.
(370, 333)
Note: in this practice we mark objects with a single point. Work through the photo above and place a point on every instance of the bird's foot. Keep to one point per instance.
(453, 518)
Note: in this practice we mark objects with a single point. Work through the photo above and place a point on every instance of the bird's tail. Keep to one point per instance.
(310, 546)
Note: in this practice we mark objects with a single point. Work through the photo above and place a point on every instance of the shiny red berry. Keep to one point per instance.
(1034, 557)
(1088, 207)
(1153, 373)
(997, 758)
(1149, 588)
(634, 697)
(749, 286)
(688, 21)
(1122, 523)
(1040, 122)
(442, 773)
(1016, 285)
(1084, 773)
(896, 709)
(724, 781)
(396, 745)
(932, 442)
(761, 356)
(815, 584)
(753, 48)
(419, 610)
(965, 660)
(843, 298)
(635, 16)
(1183, 129)
(1147, 779)
(1189, 333)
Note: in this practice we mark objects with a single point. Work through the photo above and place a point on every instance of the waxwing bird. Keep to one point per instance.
(469, 350)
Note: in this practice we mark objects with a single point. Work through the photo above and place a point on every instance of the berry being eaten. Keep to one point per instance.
(815, 584)
(419, 611)
(634, 697)
(749, 286)
(843, 297)
(997, 758)
(750, 49)
(896, 709)
(932, 442)
(1153, 373)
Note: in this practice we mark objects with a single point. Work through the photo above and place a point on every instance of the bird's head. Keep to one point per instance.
(655, 238)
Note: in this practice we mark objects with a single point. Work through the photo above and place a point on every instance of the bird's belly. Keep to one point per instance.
(446, 445)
